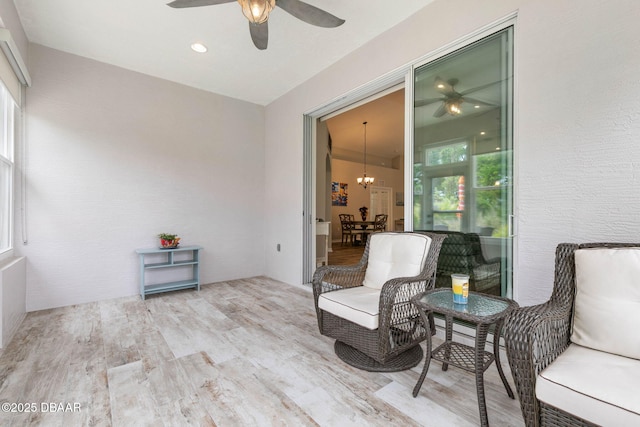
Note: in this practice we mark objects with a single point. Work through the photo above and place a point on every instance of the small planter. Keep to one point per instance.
(168, 241)
(363, 212)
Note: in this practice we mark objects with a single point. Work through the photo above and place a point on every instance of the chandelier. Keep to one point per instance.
(365, 180)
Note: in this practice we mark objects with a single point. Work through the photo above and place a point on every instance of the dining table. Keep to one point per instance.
(364, 224)
(364, 227)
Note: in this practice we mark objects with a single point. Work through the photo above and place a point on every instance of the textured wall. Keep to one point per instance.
(577, 118)
(115, 157)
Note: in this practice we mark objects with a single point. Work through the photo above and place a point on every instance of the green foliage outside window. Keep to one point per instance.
(454, 153)
(490, 192)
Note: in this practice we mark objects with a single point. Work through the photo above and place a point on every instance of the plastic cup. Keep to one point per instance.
(460, 287)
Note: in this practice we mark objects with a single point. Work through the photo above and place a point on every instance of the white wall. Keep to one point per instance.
(11, 21)
(115, 157)
(12, 297)
(577, 119)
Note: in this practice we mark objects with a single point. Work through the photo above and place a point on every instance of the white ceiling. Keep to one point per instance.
(385, 130)
(150, 37)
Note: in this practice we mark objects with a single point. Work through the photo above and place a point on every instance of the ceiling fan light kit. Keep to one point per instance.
(453, 106)
(257, 12)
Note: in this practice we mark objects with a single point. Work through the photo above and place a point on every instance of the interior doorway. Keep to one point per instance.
(381, 203)
(341, 141)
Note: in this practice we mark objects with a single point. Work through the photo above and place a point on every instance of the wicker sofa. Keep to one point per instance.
(576, 358)
(366, 307)
(461, 253)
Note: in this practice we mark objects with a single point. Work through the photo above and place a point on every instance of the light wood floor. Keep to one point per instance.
(238, 353)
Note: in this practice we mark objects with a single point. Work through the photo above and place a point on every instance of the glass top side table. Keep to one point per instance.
(481, 310)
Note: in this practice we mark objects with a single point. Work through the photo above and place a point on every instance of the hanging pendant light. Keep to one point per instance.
(257, 11)
(365, 180)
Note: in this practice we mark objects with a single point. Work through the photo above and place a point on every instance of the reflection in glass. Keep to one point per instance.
(463, 157)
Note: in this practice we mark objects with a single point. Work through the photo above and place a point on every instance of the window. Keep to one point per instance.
(8, 118)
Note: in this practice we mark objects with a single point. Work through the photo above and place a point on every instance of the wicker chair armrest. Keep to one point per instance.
(401, 289)
(542, 331)
(495, 260)
(399, 324)
(534, 337)
(329, 278)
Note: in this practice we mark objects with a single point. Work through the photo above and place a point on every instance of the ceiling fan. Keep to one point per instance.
(452, 99)
(257, 12)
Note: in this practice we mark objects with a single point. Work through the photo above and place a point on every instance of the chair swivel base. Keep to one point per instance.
(358, 359)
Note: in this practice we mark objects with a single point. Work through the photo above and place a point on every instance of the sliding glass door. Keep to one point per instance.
(463, 158)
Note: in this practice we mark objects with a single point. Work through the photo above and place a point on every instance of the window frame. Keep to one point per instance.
(9, 116)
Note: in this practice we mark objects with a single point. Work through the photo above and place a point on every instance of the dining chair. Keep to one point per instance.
(347, 227)
(380, 223)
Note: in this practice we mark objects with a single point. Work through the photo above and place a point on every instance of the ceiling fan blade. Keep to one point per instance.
(309, 14)
(440, 111)
(196, 3)
(478, 102)
(427, 101)
(479, 88)
(443, 86)
(260, 34)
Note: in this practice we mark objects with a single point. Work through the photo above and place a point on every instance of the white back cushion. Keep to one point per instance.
(394, 255)
(607, 304)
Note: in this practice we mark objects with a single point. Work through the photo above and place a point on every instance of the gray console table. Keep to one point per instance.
(169, 262)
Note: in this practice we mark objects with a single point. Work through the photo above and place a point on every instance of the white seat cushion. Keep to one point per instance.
(597, 386)
(358, 305)
(394, 255)
(607, 302)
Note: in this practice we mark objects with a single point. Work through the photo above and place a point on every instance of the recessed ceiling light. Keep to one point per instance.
(476, 106)
(198, 47)
(483, 133)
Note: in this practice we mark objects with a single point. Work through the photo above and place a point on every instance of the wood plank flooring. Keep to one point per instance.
(237, 353)
(345, 254)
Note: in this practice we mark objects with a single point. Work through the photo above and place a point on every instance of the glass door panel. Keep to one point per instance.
(463, 158)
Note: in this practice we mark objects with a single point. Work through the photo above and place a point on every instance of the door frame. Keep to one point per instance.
(403, 74)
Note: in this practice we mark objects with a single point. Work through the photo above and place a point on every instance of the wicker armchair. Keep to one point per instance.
(394, 344)
(462, 254)
(536, 335)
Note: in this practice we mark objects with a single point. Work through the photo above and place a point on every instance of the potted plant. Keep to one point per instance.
(363, 212)
(169, 241)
